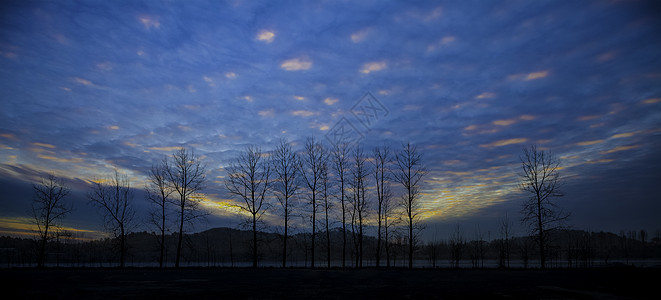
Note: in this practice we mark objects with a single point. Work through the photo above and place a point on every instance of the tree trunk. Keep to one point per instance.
(314, 228)
(254, 241)
(181, 230)
(284, 242)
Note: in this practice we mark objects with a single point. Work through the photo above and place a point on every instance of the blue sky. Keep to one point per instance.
(93, 86)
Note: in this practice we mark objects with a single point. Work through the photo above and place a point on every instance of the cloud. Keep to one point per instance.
(296, 64)
(506, 142)
(485, 95)
(620, 148)
(303, 113)
(651, 100)
(330, 101)
(529, 76)
(373, 66)
(588, 143)
(168, 149)
(82, 81)
(624, 135)
(266, 36)
(359, 36)
(44, 145)
(267, 112)
(149, 22)
(60, 160)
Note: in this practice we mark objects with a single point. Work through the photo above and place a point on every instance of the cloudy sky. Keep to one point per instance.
(92, 86)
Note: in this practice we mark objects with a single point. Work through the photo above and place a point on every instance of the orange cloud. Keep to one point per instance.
(537, 75)
(44, 145)
(60, 160)
(587, 118)
(485, 95)
(501, 143)
(620, 148)
(651, 100)
(588, 143)
(625, 135)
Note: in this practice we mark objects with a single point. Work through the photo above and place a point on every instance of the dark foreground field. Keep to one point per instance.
(615, 283)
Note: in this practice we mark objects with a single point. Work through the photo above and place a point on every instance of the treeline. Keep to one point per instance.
(225, 247)
(320, 184)
(333, 190)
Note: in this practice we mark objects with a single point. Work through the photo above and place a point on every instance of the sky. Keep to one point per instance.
(93, 86)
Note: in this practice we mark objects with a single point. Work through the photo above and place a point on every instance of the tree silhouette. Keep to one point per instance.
(285, 185)
(327, 206)
(311, 169)
(185, 173)
(540, 178)
(114, 198)
(340, 162)
(359, 175)
(248, 178)
(158, 194)
(381, 167)
(48, 208)
(408, 172)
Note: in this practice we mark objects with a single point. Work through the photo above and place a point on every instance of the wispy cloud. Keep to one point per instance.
(296, 64)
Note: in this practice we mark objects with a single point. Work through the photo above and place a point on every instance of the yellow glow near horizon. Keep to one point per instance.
(23, 226)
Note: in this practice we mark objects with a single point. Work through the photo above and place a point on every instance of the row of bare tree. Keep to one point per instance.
(322, 178)
(290, 183)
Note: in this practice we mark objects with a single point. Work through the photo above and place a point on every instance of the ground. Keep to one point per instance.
(273, 283)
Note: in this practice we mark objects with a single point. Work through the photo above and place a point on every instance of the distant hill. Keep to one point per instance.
(232, 247)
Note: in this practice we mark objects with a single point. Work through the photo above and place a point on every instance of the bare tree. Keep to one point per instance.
(186, 176)
(505, 243)
(285, 185)
(248, 178)
(541, 179)
(340, 163)
(457, 243)
(358, 184)
(389, 221)
(311, 169)
(327, 206)
(381, 168)
(114, 198)
(408, 173)
(159, 191)
(48, 208)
